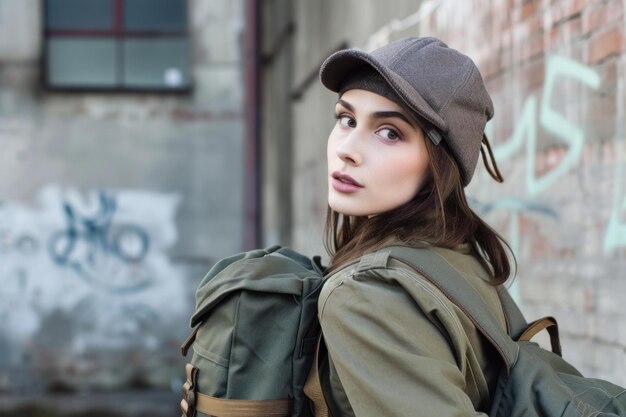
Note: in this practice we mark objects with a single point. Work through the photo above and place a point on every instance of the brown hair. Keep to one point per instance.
(438, 215)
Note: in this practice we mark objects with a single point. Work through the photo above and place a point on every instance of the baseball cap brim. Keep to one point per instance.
(337, 66)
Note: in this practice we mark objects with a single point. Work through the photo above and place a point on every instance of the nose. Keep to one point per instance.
(349, 149)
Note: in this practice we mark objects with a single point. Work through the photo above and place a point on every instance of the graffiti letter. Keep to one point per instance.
(557, 124)
(615, 235)
(527, 126)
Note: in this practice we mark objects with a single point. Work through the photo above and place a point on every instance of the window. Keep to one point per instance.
(117, 45)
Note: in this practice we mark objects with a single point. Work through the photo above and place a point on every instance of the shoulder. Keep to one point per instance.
(385, 286)
(374, 285)
(386, 311)
(378, 291)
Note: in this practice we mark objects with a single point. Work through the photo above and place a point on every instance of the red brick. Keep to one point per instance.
(608, 75)
(600, 116)
(529, 9)
(567, 32)
(503, 22)
(491, 68)
(507, 39)
(535, 23)
(606, 43)
(566, 10)
(592, 19)
(588, 154)
(531, 75)
(552, 157)
(608, 152)
(595, 17)
(520, 32)
(532, 47)
(555, 14)
(506, 58)
(574, 7)
(496, 86)
(524, 30)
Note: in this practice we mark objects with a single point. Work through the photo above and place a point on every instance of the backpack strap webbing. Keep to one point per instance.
(313, 385)
(194, 401)
(515, 320)
(184, 348)
(544, 323)
(221, 407)
(451, 283)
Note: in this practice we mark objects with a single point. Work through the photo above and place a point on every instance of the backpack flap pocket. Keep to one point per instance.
(212, 348)
(212, 294)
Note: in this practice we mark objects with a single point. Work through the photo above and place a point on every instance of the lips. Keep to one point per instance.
(344, 183)
(346, 179)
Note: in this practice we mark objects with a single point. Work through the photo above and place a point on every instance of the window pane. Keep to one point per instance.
(156, 63)
(81, 62)
(155, 15)
(79, 14)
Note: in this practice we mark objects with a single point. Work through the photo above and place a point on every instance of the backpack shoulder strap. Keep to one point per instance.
(452, 284)
(514, 317)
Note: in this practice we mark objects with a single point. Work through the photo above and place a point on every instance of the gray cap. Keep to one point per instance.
(441, 85)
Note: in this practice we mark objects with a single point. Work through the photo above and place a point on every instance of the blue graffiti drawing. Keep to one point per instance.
(88, 244)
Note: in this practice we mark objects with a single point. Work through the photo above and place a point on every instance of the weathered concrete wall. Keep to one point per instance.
(112, 207)
(556, 71)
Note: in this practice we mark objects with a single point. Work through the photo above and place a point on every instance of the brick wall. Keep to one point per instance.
(556, 71)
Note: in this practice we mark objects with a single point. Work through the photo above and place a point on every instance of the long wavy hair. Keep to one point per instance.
(438, 215)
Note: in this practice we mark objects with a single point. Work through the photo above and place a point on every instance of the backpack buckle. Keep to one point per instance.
(188, 403)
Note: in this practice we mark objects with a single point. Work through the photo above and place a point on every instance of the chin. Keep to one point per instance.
(346, 209)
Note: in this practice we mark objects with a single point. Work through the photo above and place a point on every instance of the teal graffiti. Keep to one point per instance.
(514, 204)
(515, 207)
(556, 124)
(550, 120)
(525, 135)
(615, 235)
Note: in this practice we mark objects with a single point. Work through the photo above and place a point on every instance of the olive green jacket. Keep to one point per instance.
(393, 351)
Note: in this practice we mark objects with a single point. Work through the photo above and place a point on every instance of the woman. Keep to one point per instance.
(410, 122)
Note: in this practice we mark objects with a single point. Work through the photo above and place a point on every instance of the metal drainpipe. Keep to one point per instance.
(252, 220)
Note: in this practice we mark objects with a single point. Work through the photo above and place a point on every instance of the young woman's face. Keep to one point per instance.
(377, 158)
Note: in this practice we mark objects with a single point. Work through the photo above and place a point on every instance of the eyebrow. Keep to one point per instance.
(380, 114)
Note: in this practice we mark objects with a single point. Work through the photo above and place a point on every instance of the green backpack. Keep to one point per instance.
(256, 330)
(533, 381)
(255, 334)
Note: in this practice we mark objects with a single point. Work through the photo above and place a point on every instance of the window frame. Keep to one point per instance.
(118, 34)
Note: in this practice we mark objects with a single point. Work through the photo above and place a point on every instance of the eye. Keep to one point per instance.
(389, 134)
(345, 121)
